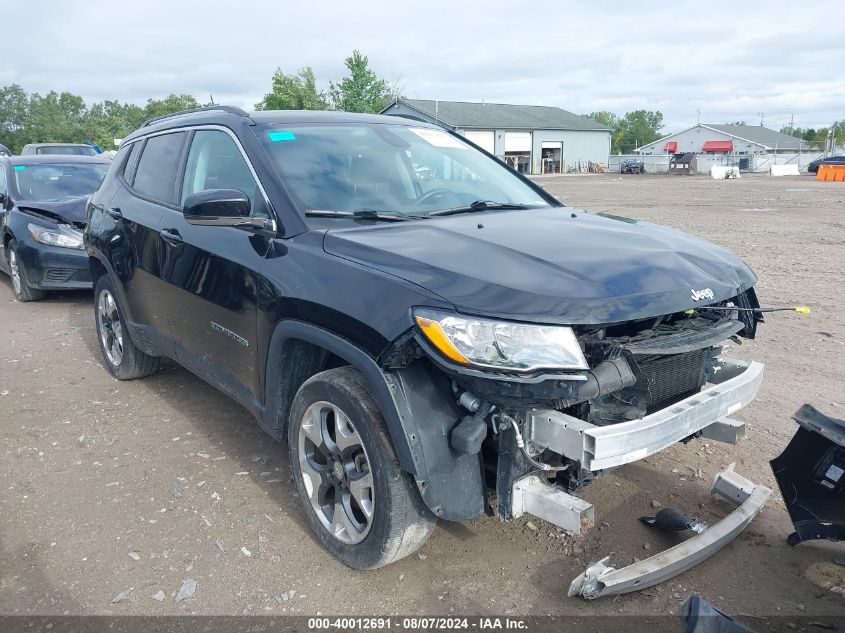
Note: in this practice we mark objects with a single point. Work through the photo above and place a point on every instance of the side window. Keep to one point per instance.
(215, 162)
(156, 173)
(127, 170)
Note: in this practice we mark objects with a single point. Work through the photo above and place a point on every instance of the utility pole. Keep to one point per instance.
(761, 118)
(699, 116)
(792, 124)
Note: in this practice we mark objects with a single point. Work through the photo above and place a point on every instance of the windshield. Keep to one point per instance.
(389, 168)
(75, 150)
(54, 182)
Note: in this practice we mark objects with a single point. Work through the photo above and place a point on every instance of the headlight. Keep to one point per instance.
(501, 344)
(62, 235)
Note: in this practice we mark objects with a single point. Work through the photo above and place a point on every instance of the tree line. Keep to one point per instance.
(63, 117)
(818, 137)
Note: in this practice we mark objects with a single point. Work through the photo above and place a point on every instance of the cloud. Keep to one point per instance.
(730, 60)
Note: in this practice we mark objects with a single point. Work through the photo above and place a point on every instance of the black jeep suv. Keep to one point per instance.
(417, 341)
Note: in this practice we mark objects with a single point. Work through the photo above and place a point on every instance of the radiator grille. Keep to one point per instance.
(674, 377)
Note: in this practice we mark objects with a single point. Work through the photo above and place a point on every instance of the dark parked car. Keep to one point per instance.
(418, 340)
(632, 166)
(75, 149)
(813, 167)
(42, 214)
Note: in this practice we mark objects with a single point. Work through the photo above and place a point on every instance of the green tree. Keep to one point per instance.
(55, 118)
(170, 104)
(361, 90)
(14, 114)
(639, 128)
(65, 117)
(294, 92)
(109, 120)
(633, 130)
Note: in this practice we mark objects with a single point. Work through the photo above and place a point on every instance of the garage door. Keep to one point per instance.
(517, 141)
(483, 138)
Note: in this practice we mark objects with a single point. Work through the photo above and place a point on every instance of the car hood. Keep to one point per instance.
(70, 210)
(558, 265)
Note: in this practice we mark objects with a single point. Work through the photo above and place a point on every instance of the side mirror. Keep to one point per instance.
(217, 207)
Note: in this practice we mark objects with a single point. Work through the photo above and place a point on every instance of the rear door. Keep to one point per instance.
(4, 215)
(212, 272)
(132, 224)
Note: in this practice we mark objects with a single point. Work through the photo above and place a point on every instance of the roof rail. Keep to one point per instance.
(221, 108)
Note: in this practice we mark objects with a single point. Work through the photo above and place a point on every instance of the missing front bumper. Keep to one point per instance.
(599, 447)
(600, 579)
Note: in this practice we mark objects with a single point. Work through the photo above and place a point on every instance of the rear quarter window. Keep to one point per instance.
(126, 168)
(156, 174)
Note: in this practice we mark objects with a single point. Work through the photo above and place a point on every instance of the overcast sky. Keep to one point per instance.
(731, 60)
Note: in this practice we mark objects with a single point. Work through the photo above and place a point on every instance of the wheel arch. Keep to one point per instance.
(297, 351)
(417, 410)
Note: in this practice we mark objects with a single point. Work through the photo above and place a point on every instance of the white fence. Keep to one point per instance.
(656, 164)
(659, 164)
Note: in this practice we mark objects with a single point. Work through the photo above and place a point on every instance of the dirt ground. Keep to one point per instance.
(167, 470)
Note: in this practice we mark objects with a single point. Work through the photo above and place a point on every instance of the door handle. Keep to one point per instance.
(172, 237)
(115, 212)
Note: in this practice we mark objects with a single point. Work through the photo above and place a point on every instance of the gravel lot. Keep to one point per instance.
(106, 485)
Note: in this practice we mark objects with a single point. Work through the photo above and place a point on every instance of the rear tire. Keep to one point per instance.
(20, 281)
(364, 509)
(122, 357)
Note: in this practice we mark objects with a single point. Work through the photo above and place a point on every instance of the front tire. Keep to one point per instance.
(122, 357)
(364, 509)
(18, 273)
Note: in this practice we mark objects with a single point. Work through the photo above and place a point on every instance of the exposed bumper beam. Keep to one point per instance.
(600, 579)
(598, 447)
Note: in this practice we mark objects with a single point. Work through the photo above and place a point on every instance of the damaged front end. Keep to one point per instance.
(644, 386)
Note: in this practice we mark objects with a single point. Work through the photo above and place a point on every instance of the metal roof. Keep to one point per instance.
(760, 135)
(469, 115)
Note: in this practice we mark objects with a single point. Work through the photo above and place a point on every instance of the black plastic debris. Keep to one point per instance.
(699, 616)
(811, 475)
(673, 520)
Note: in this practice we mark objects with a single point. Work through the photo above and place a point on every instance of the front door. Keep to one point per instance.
(212, 272)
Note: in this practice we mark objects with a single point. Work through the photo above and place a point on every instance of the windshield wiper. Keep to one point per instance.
(362, 214)
(481, 205)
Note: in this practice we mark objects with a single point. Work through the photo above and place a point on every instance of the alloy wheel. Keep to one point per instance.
(336, 472)
(111, 328)
(15, 272)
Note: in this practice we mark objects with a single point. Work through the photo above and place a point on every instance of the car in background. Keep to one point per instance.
(813, 167)
(632, 166)
(42, 214)
(75, 149)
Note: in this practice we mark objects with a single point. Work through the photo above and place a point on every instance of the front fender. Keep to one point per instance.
(418, 412)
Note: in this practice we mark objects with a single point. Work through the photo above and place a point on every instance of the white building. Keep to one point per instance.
(713, 138)
(533, 139)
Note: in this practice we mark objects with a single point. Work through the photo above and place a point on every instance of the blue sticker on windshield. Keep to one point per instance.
(20, 167)
(281, 136)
